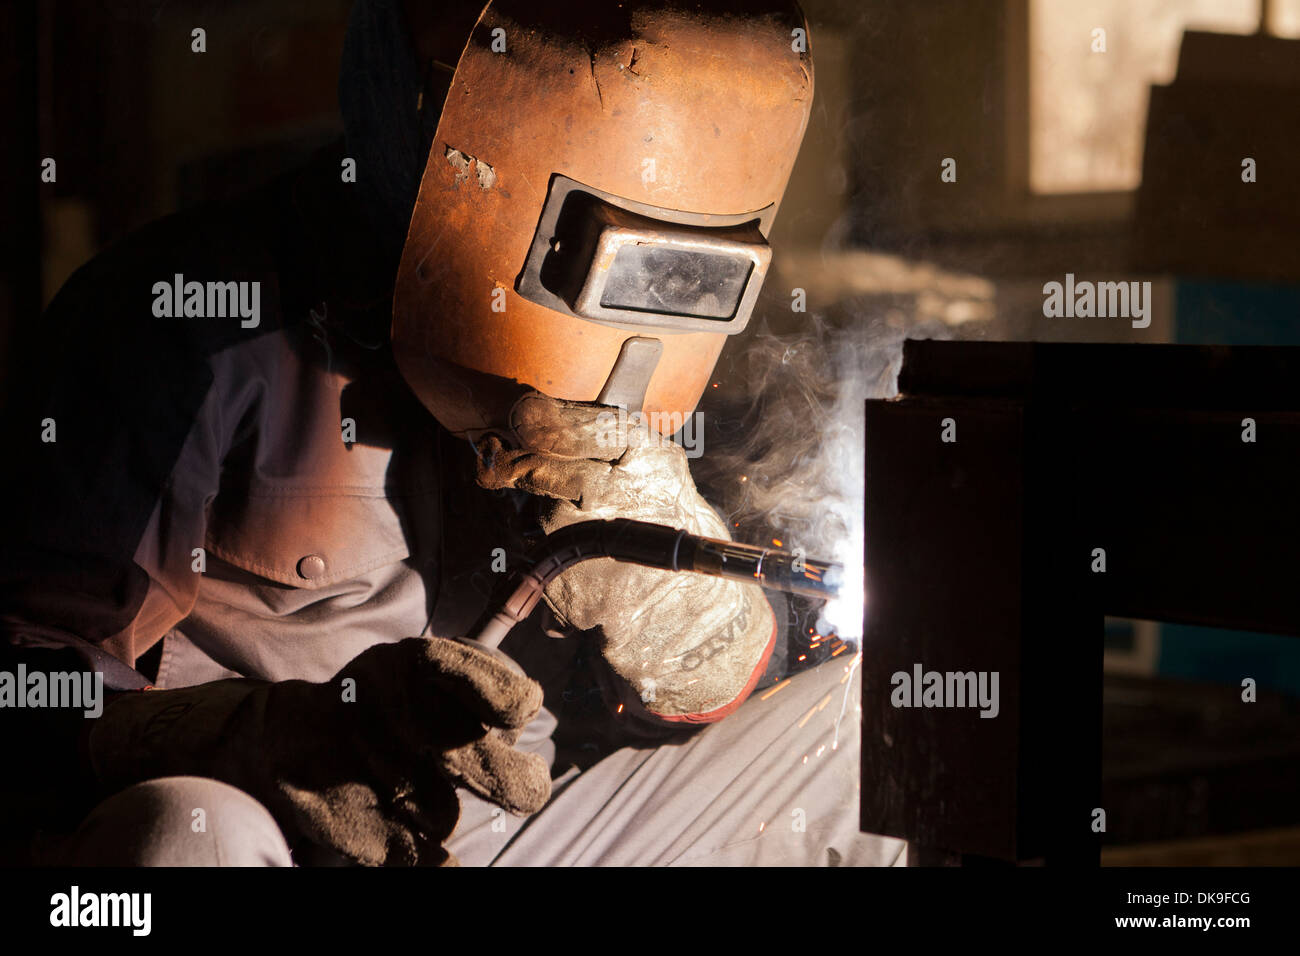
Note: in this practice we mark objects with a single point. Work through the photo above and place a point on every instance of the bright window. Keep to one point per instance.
(1088, 109)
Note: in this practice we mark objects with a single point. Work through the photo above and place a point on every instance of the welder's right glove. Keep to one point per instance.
(365, 764)
(685, 649)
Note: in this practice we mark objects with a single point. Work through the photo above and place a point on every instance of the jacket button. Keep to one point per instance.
(311, 567)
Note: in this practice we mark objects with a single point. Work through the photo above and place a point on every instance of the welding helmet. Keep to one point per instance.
(593, 216)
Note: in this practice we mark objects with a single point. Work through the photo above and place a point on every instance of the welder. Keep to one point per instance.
(268, 538)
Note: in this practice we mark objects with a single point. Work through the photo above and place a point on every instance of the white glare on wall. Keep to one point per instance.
(1091, 65)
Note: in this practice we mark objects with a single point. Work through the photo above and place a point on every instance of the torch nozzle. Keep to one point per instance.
(773, 569)
(654, 546)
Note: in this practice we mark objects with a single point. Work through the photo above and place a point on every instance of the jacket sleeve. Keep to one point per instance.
(115, 439)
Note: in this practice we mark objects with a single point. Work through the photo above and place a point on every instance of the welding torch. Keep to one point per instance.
(653, 546)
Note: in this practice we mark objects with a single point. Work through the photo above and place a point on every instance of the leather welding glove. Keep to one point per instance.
(365, 764)
(687, 648)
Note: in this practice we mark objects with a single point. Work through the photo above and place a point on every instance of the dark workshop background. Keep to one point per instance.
(1116, 165)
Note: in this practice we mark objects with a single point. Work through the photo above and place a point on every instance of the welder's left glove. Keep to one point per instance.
(686, 647)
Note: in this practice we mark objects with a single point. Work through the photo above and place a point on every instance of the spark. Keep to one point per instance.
(839, 650)
(761, 826)
(620, 708)
(819, 750)
(806, 718)
(775, 689)
(803, 657)
(825, 700)
(778, 542)
(857, 659)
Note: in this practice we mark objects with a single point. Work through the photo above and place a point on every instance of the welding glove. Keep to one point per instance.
(365, 764)
(686, 647)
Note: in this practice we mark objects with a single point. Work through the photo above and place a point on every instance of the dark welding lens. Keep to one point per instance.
(645, 266)
(636, 269)
(648, 278)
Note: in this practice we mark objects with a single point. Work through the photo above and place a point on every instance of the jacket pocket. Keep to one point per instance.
(314, 538)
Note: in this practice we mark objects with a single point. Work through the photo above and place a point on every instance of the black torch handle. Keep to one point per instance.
(654, 546)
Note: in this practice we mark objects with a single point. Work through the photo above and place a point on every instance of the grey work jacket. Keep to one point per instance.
(264, 499)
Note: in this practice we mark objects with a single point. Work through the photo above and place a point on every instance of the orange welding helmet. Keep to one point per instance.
(593, 217)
